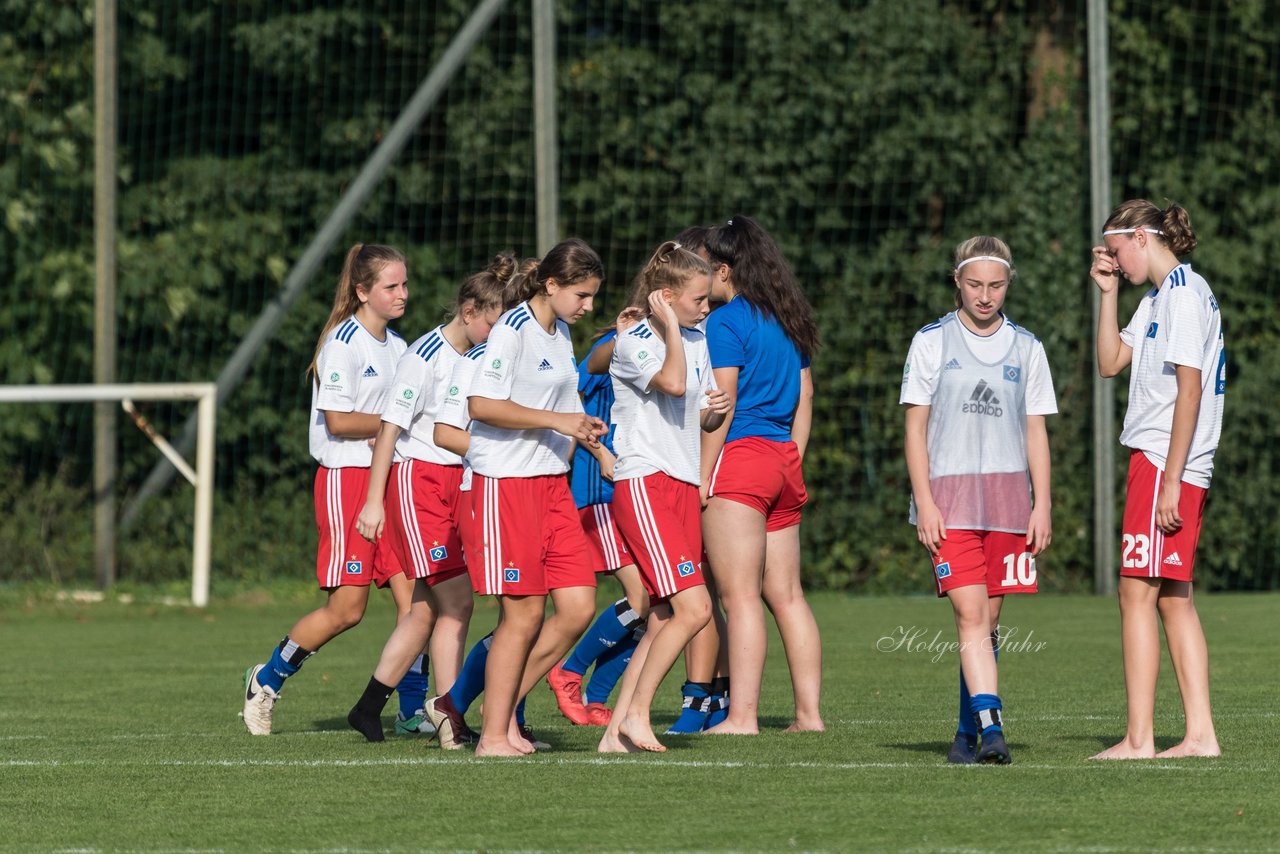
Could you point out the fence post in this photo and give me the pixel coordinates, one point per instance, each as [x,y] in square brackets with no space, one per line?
[1104,402]
[545,125]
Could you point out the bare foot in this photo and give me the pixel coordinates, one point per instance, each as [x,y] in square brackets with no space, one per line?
[729,727]
[497,748]
[811,725]
[640,732]
[517,739]
[1125,750]
[612,742]
[1191,747]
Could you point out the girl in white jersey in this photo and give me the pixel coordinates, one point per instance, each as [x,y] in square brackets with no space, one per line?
[526,414]
[664,395]
[1176,385]
[977,389]
[424,497]
[352,370]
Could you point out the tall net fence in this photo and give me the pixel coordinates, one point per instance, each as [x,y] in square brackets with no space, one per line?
[869,138]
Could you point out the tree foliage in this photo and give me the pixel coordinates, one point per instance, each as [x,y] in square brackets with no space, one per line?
[870,138]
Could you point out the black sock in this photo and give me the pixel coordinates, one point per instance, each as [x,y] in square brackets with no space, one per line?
[720,685]
[366,716]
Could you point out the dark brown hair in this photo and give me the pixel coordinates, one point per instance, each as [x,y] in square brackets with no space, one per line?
[761,276]
[568,262]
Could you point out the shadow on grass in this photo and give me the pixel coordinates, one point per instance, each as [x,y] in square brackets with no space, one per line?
[1164,742]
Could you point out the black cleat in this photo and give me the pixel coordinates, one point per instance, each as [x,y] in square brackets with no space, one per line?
[994,751]
[964,750]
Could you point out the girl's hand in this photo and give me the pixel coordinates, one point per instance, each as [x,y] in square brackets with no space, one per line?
[702,495]
[1168,519]
[718,401]
[1039,530]
[661,311]
[1105,272]
[628,318]
[930,529]
[577,425]
[607,462]
[371,521]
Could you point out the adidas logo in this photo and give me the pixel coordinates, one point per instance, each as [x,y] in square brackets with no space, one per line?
[1173,560]
[370,372]
[983,401]
[953,365]
[545,366]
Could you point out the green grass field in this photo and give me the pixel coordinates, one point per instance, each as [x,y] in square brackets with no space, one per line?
[120,732]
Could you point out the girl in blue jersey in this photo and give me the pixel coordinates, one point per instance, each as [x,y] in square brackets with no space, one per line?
[760,343]
[977,389]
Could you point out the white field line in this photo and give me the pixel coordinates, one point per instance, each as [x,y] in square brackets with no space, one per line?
[589,761]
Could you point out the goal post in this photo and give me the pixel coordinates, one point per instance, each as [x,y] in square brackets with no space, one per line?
[206,396]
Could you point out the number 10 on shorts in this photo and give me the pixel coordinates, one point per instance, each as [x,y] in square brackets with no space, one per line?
[1019,569]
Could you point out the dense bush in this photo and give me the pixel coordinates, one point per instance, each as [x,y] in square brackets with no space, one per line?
[869,140]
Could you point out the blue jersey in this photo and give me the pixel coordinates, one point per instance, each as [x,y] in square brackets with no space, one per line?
[585,482]
[740,336]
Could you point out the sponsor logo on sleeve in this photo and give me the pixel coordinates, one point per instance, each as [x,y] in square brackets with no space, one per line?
[335,382]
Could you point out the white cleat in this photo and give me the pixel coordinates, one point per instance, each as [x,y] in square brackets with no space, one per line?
[259,702]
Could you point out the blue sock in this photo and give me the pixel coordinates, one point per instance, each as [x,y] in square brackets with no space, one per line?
[967,726]
[610,628]
[986,709]
[693,713]
[284,662]
[470,682]
[609,669]
[413,688]
[520,713]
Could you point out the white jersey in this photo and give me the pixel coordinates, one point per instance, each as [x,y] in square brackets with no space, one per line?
[421,381]
[980,392]
[453,407]
[527,365]
[354,374]
[1176,324]
[658,432]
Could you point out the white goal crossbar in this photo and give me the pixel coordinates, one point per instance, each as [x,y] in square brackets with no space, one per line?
[206,396]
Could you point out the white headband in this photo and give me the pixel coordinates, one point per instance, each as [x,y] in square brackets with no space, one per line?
[1132,230]
[982,258]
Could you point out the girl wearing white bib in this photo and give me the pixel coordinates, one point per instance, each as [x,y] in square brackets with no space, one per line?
[977,388]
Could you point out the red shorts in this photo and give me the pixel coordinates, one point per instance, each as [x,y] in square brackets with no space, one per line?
[661,519]
[764,475]
[345,558]
[422,520]
[531,539]
[608,551]
[1146,551]
[995,558]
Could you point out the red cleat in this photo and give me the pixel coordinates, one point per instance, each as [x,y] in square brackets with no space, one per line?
[599,714]
[567,686]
